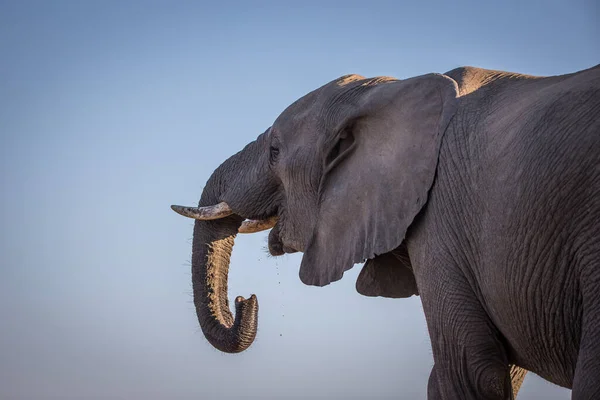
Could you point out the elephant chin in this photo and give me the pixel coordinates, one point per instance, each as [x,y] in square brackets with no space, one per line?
[212,246]
[276,246]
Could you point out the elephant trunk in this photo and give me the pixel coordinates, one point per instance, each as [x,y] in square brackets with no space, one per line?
[240,187]
[212,246]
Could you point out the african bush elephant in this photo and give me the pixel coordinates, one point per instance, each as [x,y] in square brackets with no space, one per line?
[477,190]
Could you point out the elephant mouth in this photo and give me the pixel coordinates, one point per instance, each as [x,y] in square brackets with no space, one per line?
[277,247]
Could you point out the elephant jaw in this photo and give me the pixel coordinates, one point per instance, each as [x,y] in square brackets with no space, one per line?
[276,245]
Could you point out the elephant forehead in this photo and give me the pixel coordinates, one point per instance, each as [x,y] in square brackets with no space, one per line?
[297,113]
[314,102]
[300,125]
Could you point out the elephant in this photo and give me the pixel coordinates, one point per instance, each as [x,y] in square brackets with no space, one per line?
[476,190]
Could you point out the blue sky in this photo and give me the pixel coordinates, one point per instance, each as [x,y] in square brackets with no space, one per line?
[112,111]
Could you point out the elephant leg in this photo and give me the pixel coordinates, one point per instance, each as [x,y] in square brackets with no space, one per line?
[586,383]
[433,390]
[517,375]
[472,373]
[470,358]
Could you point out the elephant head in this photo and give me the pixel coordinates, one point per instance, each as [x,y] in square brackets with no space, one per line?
[340,176]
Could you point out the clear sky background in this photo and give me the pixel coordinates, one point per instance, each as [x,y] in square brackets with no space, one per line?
[112,111]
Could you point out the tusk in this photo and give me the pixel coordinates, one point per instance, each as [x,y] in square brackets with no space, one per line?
[217,211]
[257,225]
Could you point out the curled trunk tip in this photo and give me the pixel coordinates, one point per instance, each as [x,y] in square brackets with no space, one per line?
[241,334]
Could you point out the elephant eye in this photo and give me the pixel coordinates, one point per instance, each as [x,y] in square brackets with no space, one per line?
[274,153]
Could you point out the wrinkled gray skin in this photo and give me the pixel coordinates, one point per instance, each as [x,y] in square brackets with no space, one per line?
[478,190]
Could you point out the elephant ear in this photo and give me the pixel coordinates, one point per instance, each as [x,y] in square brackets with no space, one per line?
[370,195]
[388,275]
